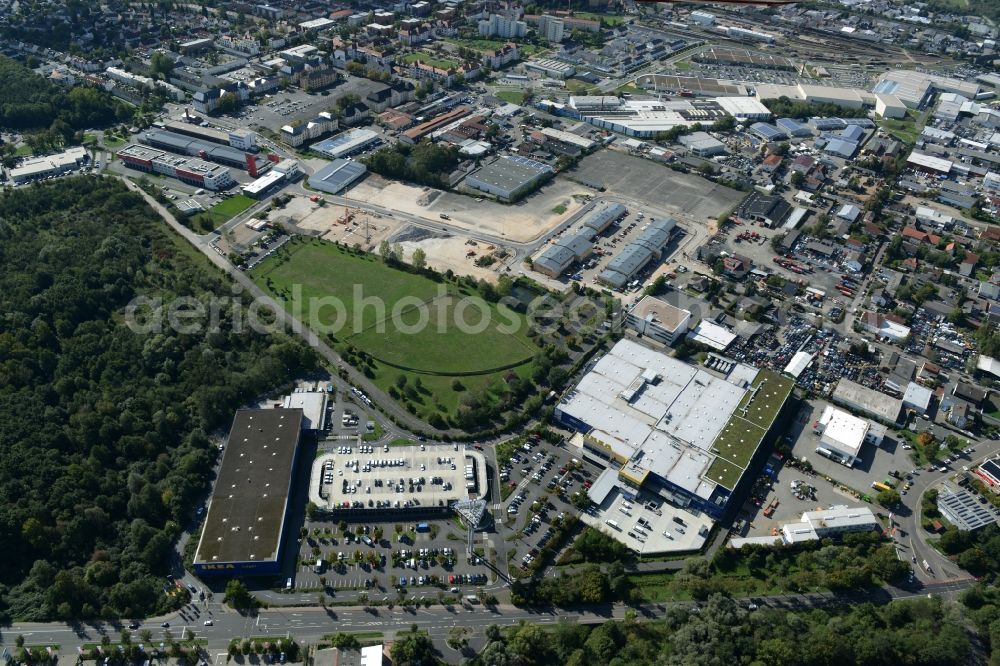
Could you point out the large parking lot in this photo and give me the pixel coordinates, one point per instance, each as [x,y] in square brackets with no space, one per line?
[283,107]
[690,197]
[543,478]
[648,525]
[419,559]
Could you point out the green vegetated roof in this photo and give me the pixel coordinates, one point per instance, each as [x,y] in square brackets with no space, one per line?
[745,430]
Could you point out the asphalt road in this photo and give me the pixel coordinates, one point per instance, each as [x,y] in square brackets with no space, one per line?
[310,624]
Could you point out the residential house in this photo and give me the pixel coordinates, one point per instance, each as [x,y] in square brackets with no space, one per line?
[971,393]
[355,114]
[207,101]
[297,133]
[736,266]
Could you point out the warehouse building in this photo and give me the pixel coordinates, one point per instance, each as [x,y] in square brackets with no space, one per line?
[191,171]
[313,405]
[658,320]
[563,253]
[767,132]
[962,509]
[285,171]
[868,401]
[842,435]
[508,177]
[793,128]
[241,139]
[599,220]
[744,108]
[713,335]
[549,67]
[245,524]
[568,138]
[915,89]
[830,523]
[347,143]
[51,165]
[671,429]
[647,246]
[337,176]
[186,145]
[917,397]
[703,144]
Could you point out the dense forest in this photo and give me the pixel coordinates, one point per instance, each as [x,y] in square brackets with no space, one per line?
[31,102]
[918,632]
[104,432]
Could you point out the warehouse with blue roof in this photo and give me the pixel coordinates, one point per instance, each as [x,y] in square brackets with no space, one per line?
[768,132]
[793,127]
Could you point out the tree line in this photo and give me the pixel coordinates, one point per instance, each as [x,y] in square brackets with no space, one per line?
[922,632]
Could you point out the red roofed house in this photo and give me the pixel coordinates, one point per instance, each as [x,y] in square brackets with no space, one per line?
[922,236]
[771,163]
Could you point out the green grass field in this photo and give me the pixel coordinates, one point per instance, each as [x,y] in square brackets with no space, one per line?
[608,19]
[905,130]
[428,59]
[512,96]
[481,45]
[411,325]
[223,211]
[113,142]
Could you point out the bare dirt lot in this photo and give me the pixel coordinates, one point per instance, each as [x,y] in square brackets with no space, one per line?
[521,222]
[444,250]
[688,196]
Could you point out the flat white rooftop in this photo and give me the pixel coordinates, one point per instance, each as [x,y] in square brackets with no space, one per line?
[659,414]
[313,406]
[842,430]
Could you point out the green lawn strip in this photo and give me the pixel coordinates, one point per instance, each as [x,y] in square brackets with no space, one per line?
[632,90]
[112,142]
[223,211]
[763,405]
